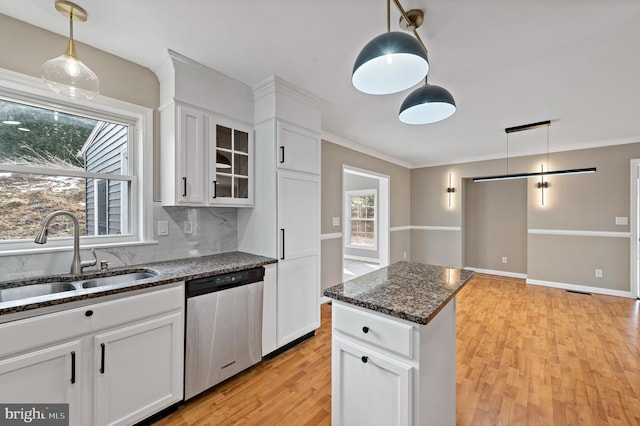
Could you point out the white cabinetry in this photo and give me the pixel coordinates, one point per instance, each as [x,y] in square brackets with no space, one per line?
[364,370]
[388,371]
[285,220]
[48,375]
[298,286]
[183,156]
[114,362]
[298,148]
[207,160]
[133,379]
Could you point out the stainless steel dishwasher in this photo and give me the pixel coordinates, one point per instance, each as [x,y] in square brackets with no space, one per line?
[223,331]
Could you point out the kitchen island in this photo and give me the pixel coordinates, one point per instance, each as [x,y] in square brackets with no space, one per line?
[394,346]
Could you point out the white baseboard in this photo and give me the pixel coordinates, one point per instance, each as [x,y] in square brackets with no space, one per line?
[581,288]
[500,273]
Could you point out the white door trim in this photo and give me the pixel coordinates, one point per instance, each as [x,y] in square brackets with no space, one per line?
[635,211]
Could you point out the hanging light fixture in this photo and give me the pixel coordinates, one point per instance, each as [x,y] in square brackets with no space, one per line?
[541,173]
[427,104]
[390,63]
[66,74]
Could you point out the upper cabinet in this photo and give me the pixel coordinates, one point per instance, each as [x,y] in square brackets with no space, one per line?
[230,163]
[298,148]
[206,136]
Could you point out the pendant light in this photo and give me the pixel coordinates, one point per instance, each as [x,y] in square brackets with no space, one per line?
[390,63]
[66,74]
[427,104]
[541,173]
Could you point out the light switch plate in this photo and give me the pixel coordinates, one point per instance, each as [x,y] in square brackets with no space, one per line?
[163,227]
[335,221]
[188,227]
[621,220]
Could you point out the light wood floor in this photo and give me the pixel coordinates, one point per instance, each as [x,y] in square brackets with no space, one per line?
[526,355]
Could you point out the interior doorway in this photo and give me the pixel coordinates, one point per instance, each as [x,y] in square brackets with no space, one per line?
[365,221]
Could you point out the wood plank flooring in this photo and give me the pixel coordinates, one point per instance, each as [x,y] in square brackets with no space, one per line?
[526,355]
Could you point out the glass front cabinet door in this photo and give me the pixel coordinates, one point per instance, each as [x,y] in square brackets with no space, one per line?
[230,163]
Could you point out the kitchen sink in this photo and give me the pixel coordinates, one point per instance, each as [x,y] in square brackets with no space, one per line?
[34,290]
[117,279]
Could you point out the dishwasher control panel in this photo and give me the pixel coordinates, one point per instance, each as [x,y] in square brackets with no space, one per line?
[223,281]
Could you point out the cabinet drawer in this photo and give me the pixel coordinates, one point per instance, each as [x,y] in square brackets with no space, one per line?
[387,334]
[45,329]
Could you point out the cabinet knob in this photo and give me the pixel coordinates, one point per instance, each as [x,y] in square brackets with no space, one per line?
[365,329]
[88,313]
[365,359]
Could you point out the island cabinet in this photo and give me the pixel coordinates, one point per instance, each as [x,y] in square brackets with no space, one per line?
[115,362]
[394,346]
[393,372]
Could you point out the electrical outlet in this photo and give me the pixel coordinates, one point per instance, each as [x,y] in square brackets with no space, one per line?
[404,255]
[335,221]
[504,259]
[163,227]
[621,220]
[188,227]
[598,273]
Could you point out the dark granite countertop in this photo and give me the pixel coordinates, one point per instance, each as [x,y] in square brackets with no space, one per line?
[409,290]
[166,272]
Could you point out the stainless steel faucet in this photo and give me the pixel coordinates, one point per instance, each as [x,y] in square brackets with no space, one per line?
[76,264]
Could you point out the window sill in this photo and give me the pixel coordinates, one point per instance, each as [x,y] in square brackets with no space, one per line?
[52,249]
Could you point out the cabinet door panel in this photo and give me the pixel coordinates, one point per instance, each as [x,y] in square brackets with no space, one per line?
[138,371]
[298,149]
[44,376]
[191,153]
[368,388]
[298,214]
[298,294]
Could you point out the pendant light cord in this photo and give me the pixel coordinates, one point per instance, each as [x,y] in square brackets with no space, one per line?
[388,16]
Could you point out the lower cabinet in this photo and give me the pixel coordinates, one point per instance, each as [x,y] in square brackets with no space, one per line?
[137,373]
[371,389]
[115,362]
[389,371]
[48,375]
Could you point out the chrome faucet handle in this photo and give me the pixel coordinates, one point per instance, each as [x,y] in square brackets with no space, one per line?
[85,263]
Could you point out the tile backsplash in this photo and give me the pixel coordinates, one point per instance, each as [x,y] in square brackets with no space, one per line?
[192,232]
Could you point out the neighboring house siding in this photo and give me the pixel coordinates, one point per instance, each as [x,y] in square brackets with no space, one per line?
[103,153]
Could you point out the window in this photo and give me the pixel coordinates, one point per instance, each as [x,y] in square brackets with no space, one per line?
[362,224]
[59,156]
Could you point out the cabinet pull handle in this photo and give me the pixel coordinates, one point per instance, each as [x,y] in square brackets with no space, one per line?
[281,154]
[73,367]
[365,359]
[215,189]
[365,329]
[282,232]
[184,186]
[102,351]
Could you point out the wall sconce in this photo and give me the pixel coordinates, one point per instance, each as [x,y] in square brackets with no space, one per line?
[542,185]
[450,191]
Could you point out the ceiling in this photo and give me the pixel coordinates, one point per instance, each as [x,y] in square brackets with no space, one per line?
[506,62]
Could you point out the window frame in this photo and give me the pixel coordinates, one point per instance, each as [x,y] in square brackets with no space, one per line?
[348,195]
[30,90]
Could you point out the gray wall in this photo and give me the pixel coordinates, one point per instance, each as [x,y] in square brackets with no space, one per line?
[333,157]
[495,225]
[587,203]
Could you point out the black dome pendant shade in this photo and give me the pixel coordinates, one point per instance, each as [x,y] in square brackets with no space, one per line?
[426,105]
[390,63]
